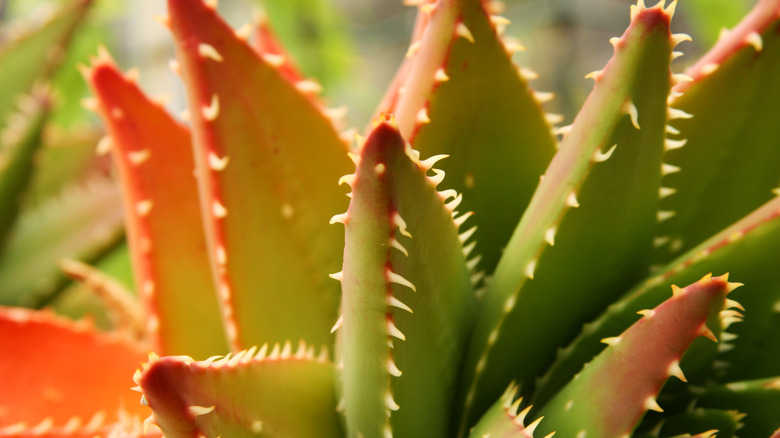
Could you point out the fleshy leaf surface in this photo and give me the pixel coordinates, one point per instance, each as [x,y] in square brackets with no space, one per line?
[505,419]
[268,160]
[34,55]
[610,395]
[746,248]
[18,145]
[82,223]
[460,94]
[153,153]
[407,295]
[273,392]
[63,376]
[727,147]
[756,398]
[594,213]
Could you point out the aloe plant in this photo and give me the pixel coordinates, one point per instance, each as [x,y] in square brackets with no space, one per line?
[490,302]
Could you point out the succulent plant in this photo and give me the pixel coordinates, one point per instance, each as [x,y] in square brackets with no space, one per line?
[516,320]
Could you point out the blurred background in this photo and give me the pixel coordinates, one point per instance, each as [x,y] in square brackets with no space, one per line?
[353,47]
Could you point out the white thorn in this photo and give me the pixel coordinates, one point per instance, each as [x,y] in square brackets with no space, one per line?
[543,97]
[670,144]
[390,403]
[754,39]
[677,38]
[395,302]
[599,157]
[392,277]
[211,112]
[611,341]
[664,192]
[681,77]
[208,51]
[676,371]
[401,224]
[393,331]
[652,405]
[422,116]
[392,368]
[530,268]
[273,59]
[307,86]
[437,178]
[528,74]
[200,410]
[441,75]
[710,68]
[631,110]
[464,236]
[218,209]
[243,32]
[340,218]
[144,207]
[462,31]
[462,218]
[138,157]
[553,119]
[549,235]
[663,215]
[429,162]
[667,169]
[175,66]
[394,243]
[216,163]
[338,324]
[571,200]
[674,113]
[413,49]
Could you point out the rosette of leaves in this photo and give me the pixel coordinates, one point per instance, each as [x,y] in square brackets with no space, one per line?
[490,302]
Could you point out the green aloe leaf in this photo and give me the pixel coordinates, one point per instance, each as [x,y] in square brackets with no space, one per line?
[407,298]
[641,358]
[745,249]
[506,419]
[67,155]
[165,229]
[606,173]
[273,392]
[19,143]
[756,398]
[726,148]
[699,420]
[34,55]
[459,93]
[82,223]
[267,160]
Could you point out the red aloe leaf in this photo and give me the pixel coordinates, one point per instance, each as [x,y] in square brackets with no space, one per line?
[154,155]
[64,377]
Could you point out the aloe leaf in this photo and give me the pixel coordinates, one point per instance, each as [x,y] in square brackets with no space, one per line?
[35,54]
[267,159]
[727,146]
[745,249]
[756,398]
[642,358]
[272,392]
[82,223]
[607,172]
[78,299]
[84,393]
[66,156]
[407,295]
[460,94]
[699,420]
[165,229]
[505,419]
[20,141]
